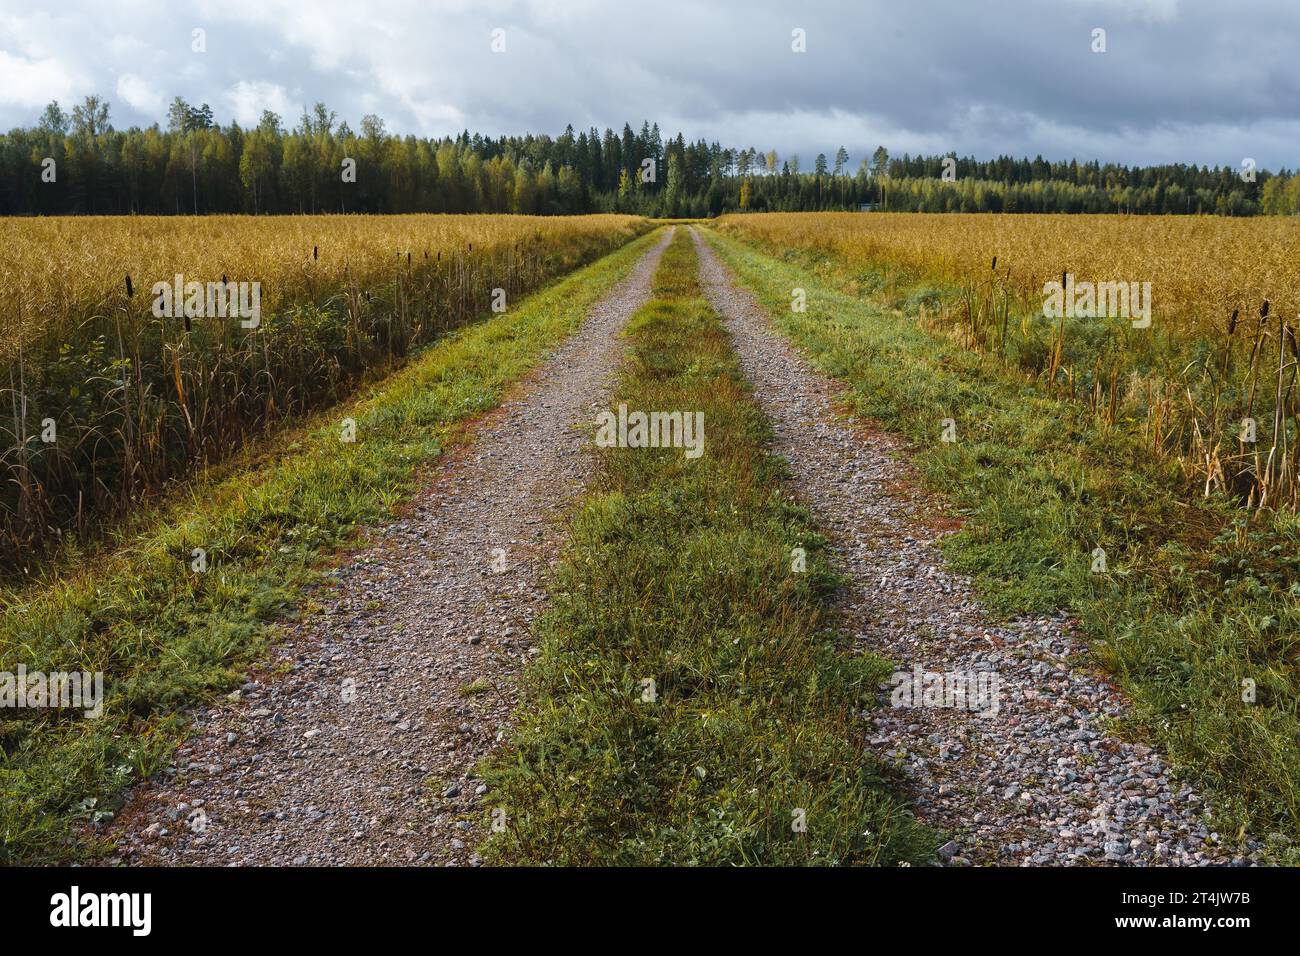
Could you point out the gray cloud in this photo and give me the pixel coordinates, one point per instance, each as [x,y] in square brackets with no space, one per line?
[1182,80]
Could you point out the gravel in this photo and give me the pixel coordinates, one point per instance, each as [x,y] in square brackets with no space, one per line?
[357,744]
[1039,782]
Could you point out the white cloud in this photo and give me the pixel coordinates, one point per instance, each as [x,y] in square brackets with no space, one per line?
[246,102]
[29,84]
[140,94]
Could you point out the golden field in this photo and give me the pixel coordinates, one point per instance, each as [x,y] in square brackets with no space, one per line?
[1200,267]
[61,269]
[101,399]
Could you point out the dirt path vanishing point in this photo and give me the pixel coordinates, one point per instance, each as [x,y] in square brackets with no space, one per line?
[1038,782]
[362,752]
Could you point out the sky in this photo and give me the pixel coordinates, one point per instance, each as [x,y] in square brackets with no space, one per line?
[1203,81]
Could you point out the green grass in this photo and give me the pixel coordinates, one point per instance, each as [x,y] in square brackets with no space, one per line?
[1196,598]
[166,637]
[679,572]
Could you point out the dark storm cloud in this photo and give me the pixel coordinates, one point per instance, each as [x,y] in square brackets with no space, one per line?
[1180,81]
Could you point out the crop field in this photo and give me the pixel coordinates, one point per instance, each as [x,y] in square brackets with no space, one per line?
[1201,267]
[1209,377]
[105,398]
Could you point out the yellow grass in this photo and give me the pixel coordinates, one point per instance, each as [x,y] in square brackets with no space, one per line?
[55,268]
[1200,267]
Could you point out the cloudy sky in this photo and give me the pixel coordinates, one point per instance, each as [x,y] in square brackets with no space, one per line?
[1180,80]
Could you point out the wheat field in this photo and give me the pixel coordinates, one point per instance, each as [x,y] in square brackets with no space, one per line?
[102,398]
[1200,267]
[58,271]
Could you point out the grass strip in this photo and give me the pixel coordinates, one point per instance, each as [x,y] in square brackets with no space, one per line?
[166,637]
[691,701]
[1198,611]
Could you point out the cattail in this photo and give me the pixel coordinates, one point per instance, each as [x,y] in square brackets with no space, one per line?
[315,252]
[1263,311]
[130,291]
[408,260]
[994,267]
[1232,322]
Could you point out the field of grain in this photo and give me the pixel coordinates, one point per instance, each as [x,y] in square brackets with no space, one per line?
[1211,381]
[102,399]
[1200,267]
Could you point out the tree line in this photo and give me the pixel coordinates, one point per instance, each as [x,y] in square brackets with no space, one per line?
[78,163]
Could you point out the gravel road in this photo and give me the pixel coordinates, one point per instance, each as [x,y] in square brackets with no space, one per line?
[360,749]
[1037,782]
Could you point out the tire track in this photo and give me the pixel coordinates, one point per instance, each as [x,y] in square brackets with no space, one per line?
[1036,780]
[361,750]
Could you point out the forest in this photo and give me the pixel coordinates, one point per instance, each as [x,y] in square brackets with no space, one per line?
[76,162]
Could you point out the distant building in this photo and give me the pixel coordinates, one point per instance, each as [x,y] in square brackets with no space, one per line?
[868,207]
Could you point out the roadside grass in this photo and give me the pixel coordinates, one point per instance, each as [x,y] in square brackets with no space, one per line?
[1200,603]
[166,637]
[679,572]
